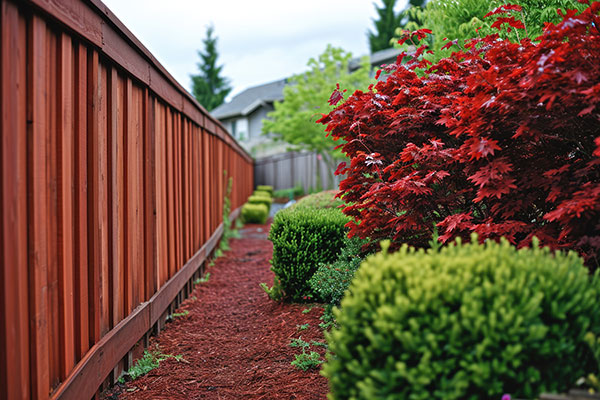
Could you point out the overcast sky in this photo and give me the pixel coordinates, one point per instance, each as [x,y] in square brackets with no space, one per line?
[258,41]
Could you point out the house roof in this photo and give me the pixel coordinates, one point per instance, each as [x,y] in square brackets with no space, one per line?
[250,99]
[386,56]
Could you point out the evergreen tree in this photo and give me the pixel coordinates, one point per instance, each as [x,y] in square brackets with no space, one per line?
[385,26]
[209,87]
[389,21]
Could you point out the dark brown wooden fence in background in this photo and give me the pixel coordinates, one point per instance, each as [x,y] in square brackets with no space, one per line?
[112,185]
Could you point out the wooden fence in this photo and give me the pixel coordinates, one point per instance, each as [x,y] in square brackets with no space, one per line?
[112,186]
[287,170]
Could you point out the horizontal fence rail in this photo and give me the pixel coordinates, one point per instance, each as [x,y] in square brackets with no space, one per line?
[112,185]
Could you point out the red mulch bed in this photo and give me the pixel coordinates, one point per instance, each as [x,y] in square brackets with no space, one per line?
[235,340]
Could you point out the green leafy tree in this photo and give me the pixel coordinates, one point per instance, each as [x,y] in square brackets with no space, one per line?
[464,19]
[209,87]
[307,95]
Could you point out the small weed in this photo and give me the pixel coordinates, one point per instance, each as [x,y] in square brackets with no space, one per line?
[204,279]
[306,361]
[184,313]
[307,310]
[302,327]
[328,318]
[274,292]
[321,344]
[299,343]
[149,361]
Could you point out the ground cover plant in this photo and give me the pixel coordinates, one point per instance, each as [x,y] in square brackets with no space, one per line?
[330,280]
[500,139]
[466,321]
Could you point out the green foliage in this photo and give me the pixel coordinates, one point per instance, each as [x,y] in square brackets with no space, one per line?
[385,25]
[204,279]
[209,87]
[299,343]
[254,213]
[306,361]
[328,318]
[184,313]
[302,327]
[265,188]
[149,361]
[465,322]
[306,97]
[275,293]
[261,193]
[388,21]
[594,342]
[290,193]
[228,231]
[460,19]
[254,199]
[319,200]
[330,281]
[302,238]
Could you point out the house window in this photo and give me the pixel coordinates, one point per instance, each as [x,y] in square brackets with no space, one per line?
[233,128]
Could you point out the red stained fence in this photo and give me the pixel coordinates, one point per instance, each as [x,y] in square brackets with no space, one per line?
[112,186]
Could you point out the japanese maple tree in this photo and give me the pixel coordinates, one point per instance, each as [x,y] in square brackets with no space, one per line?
[501,138]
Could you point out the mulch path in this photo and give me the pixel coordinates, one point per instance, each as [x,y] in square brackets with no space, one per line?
[235,340]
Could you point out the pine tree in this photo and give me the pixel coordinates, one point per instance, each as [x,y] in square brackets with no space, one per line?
[388,21]
[385,26]
[209,87]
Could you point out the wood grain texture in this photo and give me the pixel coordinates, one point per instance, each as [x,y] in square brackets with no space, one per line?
[111,188]
[14,329]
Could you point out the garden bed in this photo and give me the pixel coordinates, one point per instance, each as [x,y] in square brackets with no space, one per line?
[234,341]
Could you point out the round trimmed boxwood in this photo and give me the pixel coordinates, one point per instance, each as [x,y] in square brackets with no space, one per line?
[260,200]
[254,213]
[468,321]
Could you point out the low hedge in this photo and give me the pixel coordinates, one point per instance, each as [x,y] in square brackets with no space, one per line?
[261,193]
[254,213]
[466,322]
[265,188]
[303,238]
[261,200]
[325,199]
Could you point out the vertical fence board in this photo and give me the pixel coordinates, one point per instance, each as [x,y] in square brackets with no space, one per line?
[53,247]
[81,230]
[150,197]
[102,199]
[14,328]
[37,205]
[119,237]
[93,206]
[66,185]
[170,193]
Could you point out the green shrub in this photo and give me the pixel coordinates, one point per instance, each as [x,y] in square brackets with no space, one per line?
[290,193]
[261,193]
[466,322]
[303,238]
[330,281]
[320,200]
[265,188]
[255,213]
[260,200]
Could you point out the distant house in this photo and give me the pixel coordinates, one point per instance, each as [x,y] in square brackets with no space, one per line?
[243,115]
